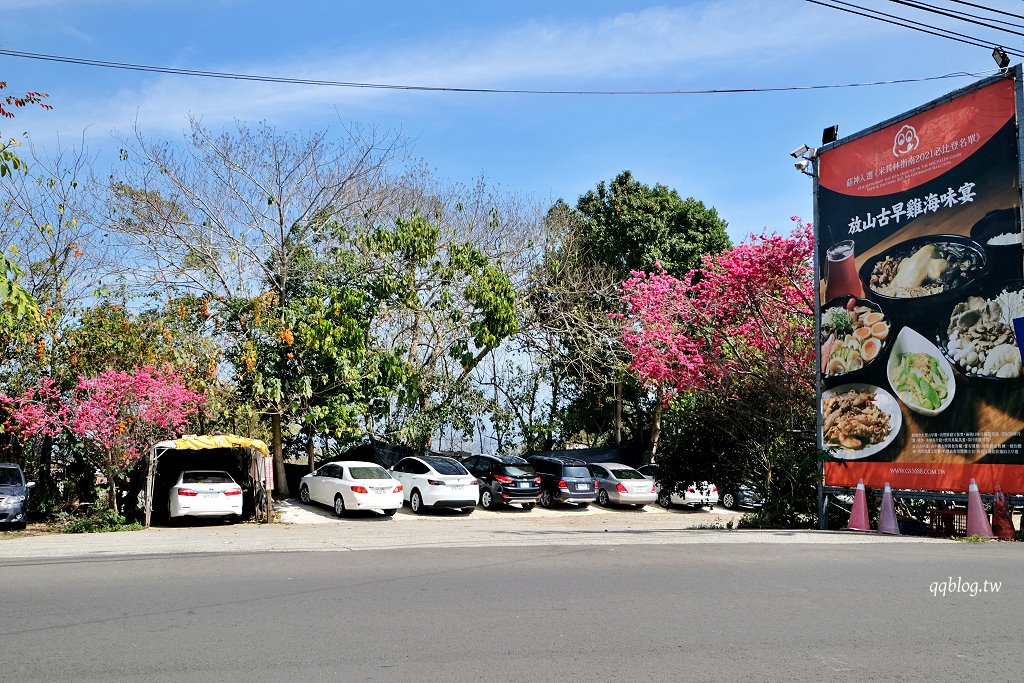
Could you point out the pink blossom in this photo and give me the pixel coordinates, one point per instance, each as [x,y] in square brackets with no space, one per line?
[744,310]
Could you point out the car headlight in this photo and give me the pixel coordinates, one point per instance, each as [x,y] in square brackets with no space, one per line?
[11,501]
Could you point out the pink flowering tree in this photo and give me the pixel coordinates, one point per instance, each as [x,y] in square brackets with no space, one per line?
[41,411]
[121,414]
[743,319]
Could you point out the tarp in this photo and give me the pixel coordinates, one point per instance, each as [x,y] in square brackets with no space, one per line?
[196,442]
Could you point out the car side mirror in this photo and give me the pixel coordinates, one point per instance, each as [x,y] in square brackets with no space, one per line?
[30,484]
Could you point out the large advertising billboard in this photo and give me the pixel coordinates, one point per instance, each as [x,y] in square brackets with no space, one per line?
[921,297]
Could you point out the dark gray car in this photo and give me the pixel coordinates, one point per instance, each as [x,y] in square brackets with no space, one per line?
[13,496]
[564,480]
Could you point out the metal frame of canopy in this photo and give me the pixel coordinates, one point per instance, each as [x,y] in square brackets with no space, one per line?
[260,465]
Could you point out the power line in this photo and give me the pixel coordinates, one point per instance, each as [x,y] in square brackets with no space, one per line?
[966,39]
[962,16]
[391,86]
[988,9]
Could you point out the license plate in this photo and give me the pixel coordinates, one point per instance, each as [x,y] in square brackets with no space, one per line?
[379,489]
[582,487]
[457,487]
[524,484]
[211,495]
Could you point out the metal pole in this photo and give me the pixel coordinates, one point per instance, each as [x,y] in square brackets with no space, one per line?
[149,485]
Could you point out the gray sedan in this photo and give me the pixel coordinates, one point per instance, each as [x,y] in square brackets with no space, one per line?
[617,483]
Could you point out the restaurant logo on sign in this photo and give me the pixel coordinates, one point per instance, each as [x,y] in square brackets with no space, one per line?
[906,141]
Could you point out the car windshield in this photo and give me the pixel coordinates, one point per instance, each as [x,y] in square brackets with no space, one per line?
[627,474]
[576,471]
[519,470]
[206,478]
[369,473]
[10,476]
[446,466]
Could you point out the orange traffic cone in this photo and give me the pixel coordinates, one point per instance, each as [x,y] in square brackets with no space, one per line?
[859,514]
[887,522]
[977,518]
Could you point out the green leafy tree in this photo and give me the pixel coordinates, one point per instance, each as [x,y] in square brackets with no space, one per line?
[448,306]
[620,226]
[217,216]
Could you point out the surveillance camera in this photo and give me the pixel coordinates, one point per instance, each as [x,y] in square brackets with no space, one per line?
[802,165]
[799,151]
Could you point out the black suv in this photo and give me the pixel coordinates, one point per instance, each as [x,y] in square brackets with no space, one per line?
[13,496]
[564,480]
[504,479]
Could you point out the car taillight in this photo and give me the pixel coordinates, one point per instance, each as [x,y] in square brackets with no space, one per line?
[233,492]
[562,484]
[536,480]
[620,488]
[654,488]
[503,479]
[689,489]
[398,489]
[475,482]
[435,482]
[359,489]
[187,492]
[714,489]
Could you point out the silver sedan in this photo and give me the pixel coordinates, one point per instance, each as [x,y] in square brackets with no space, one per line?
[618,483]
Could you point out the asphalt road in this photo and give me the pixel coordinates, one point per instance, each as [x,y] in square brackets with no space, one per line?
[650,612]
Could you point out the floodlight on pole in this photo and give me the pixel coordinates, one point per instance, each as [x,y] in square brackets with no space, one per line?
[1001,58]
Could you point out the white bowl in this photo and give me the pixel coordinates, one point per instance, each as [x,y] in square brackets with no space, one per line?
[909,341]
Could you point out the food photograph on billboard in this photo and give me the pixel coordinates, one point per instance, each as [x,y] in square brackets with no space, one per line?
[921,297]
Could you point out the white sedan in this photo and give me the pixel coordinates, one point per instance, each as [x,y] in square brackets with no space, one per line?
[206,493]
[352,485]
[697,494]
[436,481]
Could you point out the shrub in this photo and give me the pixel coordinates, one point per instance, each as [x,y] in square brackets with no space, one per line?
[106,520]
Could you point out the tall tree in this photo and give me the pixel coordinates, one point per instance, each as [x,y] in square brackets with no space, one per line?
[739,331]
[619,227]
[219,216]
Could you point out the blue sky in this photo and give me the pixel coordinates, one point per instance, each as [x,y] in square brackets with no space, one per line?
[729,150]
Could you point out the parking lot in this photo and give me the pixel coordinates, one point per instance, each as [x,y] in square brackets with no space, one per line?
[293,511]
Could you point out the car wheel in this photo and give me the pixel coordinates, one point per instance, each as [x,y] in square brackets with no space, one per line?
[304,494]
[390,512]
[602,498]
[487,499]
[665,500]
[416,502]
[339,505]
[529,506]
[729,501]
[545,499]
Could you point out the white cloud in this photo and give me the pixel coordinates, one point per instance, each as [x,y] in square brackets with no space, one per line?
[663,47]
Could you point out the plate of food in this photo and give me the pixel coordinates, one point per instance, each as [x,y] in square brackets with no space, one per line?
[919,374]
[854,333]
[978,336]
[912,279]
[859,420]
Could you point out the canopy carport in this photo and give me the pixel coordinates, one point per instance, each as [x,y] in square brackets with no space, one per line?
[248,460]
